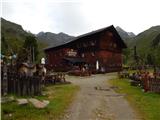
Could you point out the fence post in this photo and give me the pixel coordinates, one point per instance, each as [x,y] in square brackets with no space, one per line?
[18,84]
[13,82]
[24,85]
[40,83]
[5,80]
[146,83]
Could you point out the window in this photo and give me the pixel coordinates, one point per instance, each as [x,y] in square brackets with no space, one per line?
[60,54]
[114,45]
[78,45]
[93,53]
[110,34]
[54,55]
[84,45]
[71,50]
[92,43]
[82,55]
[111,44]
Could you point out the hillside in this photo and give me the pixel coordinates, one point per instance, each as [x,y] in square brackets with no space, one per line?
[128,37]
[147,42]
[54,39]
[13,37]
[144,42]
[125,35]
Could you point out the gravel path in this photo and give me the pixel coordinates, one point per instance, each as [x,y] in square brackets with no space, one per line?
[96,100]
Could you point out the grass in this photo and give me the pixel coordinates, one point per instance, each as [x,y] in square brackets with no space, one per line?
[146,104]
[60,96]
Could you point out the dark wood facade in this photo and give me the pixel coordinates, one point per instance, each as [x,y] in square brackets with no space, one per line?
[102,48]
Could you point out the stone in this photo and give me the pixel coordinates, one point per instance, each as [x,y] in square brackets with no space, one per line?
[38,104]
[10,115]
[99,115]
[7,99]
[22,101]
[45,102]
[44,94]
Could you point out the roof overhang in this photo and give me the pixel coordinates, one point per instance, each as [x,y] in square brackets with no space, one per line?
[74,60]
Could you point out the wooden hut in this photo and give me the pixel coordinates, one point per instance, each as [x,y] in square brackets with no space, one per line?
[99,50]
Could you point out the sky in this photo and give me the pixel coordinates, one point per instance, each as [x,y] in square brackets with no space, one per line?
[76,17]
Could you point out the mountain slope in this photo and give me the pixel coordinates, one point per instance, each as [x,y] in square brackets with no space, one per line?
[128,37]
[12,28]
[13,37]
[144,43]
[147,42]
[156,41]
[125,35]
[54,39]
[144,40]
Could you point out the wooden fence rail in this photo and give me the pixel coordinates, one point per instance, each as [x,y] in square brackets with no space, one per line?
[21,85]
[148,83]
[154,85]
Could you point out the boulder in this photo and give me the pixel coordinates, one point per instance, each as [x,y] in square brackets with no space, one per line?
[22,101]
[7,99]
[38,104]
[45,102]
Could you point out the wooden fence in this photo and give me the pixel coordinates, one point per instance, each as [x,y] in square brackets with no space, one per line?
[154,85]
[147,82]
[14,83]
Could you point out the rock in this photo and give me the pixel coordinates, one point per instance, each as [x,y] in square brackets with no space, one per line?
[10,115]
[67,116]
[99,115]
[46,102]
[38,104]
[7,99]
[22,101]
[44,94]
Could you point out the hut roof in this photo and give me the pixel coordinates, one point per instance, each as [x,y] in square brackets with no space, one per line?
[111,28]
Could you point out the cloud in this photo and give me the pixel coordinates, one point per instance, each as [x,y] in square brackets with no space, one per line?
[80,16]
[55,17]
[68,17]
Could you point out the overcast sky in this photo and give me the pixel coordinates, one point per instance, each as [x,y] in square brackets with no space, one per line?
[76,17]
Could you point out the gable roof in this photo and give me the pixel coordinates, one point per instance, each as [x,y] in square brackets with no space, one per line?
[111,28]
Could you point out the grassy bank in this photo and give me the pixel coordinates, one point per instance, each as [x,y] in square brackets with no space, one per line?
[60,96]
[146,104]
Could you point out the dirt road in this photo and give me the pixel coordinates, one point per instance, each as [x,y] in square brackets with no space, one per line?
[96,100]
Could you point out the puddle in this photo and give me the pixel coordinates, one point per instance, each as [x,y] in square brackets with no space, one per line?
[109,95]
[101,89]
